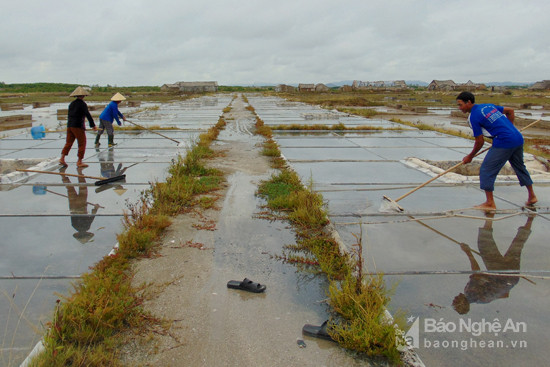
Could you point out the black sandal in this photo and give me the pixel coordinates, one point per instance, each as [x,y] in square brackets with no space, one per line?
[246,285]
[317,331]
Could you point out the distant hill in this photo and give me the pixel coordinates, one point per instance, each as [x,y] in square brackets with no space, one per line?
[419,83]
[350,82]
[339,84]
[508,84]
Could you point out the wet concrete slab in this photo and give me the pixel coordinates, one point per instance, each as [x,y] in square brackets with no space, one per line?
[443,236]
[437,249]
[353,172]
[21,335]
[54,229]
[422,153]
[142,154]
[16,144]
[140,173]
[59,198]
[325,141]
[434,198]
[409,133]
[448,141]
[150,140]
[399,142]
[418,257]
[32,153]
[326,153]
[428,298]
[61,246]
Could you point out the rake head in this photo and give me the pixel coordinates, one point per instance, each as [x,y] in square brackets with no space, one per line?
[390,206]
[110,179]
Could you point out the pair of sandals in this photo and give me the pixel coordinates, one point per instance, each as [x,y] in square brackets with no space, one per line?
[308,329]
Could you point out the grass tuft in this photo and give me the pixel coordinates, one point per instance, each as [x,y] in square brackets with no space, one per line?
[362,323]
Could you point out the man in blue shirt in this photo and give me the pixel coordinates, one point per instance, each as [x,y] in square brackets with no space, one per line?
[109,114]
[497,123]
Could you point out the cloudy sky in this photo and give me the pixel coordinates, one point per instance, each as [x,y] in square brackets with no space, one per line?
[138,42]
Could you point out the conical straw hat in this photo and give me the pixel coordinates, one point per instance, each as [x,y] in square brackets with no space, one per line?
[79,91]
[118,97]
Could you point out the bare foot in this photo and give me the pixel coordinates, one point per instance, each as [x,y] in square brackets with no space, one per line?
[63,163]
[486,206]
[532,201]
[81,165]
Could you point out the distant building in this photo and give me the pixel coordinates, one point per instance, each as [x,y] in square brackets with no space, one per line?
[442,85]
[449,85]
[345,88]
[542,85]
[197,87]
[285,88]
[471,86]
[170,88]
[379,84]
[190,87]
[399,84]
[321,88]
[306,87]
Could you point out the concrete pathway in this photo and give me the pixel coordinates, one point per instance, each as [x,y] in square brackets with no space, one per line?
[212,325]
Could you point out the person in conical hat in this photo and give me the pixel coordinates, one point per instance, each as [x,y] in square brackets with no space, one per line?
[118,98]
[109,114]
[79,91]
[76,126]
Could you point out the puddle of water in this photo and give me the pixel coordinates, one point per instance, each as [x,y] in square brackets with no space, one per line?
[395,244]
[50,227]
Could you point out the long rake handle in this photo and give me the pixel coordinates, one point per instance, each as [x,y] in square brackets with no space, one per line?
[442,234]
[62,174]
[66,196]
[453,167]
[154,132]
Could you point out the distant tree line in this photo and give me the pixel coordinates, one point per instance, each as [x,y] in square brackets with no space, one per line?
[37,87]
[67,88]
[229,88]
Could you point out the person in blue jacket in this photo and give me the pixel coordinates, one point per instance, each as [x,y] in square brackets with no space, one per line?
[497,123]
[109,114]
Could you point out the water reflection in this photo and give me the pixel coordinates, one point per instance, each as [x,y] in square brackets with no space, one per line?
[107,164]
[81,220]
[485,288]
[107,167]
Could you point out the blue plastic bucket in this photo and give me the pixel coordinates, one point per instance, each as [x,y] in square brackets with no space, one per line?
[39,190]
[38,132]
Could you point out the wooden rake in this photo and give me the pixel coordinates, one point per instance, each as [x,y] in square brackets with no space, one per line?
[391,205]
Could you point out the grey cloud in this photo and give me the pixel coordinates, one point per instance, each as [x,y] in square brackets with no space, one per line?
[140,42]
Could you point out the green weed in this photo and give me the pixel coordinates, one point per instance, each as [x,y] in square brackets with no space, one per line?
[362,322]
